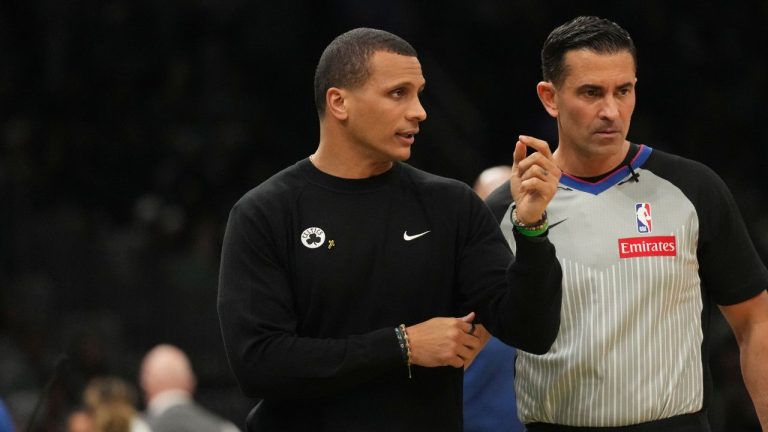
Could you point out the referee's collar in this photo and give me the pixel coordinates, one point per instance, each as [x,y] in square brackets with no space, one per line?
[618,175]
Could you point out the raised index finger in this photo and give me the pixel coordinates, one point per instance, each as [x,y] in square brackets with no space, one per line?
[540,146]
[519,153]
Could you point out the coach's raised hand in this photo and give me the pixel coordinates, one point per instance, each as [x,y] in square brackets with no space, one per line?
[534,179]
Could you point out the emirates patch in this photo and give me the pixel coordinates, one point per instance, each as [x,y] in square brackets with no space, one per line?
[634,247]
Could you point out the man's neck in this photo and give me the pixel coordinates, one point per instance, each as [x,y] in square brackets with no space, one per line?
[343,159]
[588,165]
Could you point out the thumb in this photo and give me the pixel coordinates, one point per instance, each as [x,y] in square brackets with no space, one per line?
[468,318]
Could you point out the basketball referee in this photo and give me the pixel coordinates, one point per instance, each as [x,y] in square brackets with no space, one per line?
[648,242]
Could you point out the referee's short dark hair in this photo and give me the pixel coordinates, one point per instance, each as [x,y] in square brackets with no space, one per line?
[344,63]
[585,32]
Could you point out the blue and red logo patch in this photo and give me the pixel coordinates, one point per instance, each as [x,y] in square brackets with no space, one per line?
[643,216]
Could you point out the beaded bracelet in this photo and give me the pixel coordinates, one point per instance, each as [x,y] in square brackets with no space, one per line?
[532,230]
[401,342]
[405,346]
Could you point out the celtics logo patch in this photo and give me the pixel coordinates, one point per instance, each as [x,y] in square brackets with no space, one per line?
[313,237]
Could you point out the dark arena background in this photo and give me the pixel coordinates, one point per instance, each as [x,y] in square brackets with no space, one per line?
[128,128]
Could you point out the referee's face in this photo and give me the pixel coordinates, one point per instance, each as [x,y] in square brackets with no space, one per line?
[385,112]
[594,103]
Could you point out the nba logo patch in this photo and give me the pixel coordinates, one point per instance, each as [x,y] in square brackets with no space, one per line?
[643,216]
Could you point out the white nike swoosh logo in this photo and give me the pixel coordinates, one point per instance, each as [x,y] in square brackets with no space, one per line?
[407,237]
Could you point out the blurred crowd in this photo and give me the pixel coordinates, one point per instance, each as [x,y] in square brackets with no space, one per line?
[109,403]
[129,128]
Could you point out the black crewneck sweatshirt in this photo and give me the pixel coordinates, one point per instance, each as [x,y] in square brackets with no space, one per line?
[316,271]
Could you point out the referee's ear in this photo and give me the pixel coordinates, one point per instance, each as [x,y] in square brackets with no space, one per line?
[546,91]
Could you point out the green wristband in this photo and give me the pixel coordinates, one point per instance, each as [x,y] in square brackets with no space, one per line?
[533,232]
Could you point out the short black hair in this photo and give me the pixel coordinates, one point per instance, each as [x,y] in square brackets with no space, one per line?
[585,32]
[344,63]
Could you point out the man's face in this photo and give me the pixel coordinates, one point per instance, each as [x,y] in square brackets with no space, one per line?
[594,103]
[384,113]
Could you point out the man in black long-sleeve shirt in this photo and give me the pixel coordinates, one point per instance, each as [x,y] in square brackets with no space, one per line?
[342,276]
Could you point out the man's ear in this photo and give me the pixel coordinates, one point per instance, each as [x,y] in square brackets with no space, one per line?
[336,103]
[546,91]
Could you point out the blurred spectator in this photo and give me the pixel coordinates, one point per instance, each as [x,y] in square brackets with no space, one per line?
[111,403]
[79,420]
[490,179]
[169,383]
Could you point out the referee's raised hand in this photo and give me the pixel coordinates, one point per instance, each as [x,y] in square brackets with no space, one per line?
[534,179]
